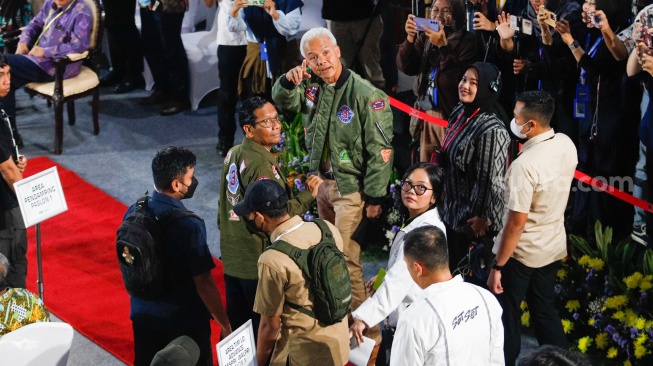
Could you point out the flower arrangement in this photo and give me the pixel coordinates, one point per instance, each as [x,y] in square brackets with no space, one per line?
[293,159]
[392,219]
[605,300]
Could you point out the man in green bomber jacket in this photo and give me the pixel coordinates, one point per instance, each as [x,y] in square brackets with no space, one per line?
[241,241]
[348,127]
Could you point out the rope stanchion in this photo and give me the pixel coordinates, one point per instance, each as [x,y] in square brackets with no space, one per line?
[595,183]
[417,113]
[605,187]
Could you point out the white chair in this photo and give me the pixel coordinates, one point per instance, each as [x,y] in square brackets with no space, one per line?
[202,51]
[37,344]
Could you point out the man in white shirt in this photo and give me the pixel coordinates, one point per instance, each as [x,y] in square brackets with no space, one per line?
[533,239]
[452,322]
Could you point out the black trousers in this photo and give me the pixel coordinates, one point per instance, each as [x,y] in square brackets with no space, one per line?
[124,39]
[240,302]
[537,286]
[164,51]
[230,60]
[149,340]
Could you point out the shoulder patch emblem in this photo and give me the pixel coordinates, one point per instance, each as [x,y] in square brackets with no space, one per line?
[232,179]
[378,105]
[345,114]
[263,177]
[311,92]
[227,158]
[386,154]
[345,156]
[233,216]
[275,172]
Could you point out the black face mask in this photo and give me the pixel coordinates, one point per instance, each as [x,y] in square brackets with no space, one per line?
[191,188]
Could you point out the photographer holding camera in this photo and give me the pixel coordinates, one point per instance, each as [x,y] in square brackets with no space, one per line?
[541,60]
[438,58]
[607,145]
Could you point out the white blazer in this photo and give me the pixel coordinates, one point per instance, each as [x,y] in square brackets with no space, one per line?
[398,289]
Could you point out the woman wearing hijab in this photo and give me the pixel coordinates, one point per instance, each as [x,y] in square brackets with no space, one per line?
[608,120]
[473,158]
[270,30]
[542,61]
[438,59]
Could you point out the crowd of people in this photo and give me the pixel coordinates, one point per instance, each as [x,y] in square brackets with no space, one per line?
[575,74]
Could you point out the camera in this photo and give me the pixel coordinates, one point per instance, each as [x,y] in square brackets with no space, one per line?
[551,18]
[595,20]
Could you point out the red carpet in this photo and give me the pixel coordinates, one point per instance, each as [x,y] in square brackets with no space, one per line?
[82,280]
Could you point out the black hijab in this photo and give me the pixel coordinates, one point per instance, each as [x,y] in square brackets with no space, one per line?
[260,23]
[488,91]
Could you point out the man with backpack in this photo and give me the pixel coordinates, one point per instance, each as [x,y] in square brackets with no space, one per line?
[190,297]
[304,292]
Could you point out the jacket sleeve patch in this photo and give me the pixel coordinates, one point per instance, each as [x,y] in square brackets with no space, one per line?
[378,105]
[386,154]
[232,179]
[263,177]
[227,158]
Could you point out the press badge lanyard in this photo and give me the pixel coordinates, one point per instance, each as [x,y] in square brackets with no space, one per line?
[4,116]
[47,26]
[449,140]
[289,231]
[433,89]
[582,89]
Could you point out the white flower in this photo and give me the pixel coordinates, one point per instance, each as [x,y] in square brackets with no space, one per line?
[393,216]
[390,235]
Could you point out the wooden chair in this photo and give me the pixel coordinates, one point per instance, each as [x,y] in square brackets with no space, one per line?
[60,91]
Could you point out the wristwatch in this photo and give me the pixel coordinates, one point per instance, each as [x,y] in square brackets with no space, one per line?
[496,266]
[574,45]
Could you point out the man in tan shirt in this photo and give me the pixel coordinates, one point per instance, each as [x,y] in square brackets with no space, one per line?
[533,239]
[296,338]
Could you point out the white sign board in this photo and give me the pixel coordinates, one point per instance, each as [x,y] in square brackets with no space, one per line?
[239,348]
[40,196]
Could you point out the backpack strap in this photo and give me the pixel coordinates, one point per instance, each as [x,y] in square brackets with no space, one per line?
[327,235]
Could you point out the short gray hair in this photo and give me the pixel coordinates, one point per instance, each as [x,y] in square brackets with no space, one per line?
[314,33]
[4,268]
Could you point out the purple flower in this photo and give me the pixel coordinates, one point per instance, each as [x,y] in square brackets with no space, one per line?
[633,333]
[576,316]
[392,188]
[612,330]
[395,229]
[298,183]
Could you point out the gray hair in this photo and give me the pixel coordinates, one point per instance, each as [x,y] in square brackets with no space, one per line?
[314,33]
[4,268]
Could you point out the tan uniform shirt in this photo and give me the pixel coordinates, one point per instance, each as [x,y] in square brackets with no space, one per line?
[301,340]
[538,183]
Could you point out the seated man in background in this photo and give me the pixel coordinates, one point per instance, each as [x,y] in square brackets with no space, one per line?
[18,307]
[61,27]
[452,322]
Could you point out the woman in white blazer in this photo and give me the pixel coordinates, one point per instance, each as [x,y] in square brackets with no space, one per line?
[421,192]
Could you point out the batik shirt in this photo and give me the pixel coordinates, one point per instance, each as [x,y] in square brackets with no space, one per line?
[62,31]
[19,307]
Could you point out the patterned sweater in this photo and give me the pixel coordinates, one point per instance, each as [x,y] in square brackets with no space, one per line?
[474,164]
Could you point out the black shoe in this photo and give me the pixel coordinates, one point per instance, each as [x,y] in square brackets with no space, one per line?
[111,79]
[223,147]
[174,107]
[129,84]
[157,97]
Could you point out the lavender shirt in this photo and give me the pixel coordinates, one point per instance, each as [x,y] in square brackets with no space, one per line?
[69,33]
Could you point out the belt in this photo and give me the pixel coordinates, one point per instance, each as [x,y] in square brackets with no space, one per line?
[328,175]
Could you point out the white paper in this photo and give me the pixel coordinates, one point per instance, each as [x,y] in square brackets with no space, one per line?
[359,355]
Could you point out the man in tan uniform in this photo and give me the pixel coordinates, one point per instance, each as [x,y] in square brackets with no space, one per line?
[296,338]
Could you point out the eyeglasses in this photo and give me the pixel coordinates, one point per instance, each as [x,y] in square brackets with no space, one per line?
[437,11]
[419,189]
[269,122]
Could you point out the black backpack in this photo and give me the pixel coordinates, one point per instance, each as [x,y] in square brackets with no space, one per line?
[140,248]
[325,267]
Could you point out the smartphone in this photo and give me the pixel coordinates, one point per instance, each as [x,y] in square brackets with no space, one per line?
[255,2]
[595,20]
[551,18]
[431,24]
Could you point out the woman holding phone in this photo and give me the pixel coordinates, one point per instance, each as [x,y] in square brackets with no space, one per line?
[437,56]
[421,192]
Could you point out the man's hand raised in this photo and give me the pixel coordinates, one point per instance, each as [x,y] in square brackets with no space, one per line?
[298,74]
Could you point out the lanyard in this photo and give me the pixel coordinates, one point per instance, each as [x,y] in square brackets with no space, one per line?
[449,140]
[4,116]
[289,231]
[47,26]
[591,52]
